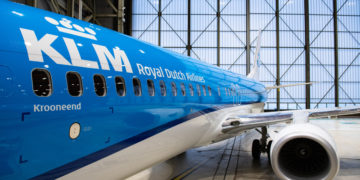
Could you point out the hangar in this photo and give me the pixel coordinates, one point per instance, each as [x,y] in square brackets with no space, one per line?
[303,41]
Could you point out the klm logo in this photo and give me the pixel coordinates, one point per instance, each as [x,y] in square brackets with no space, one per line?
[37,46]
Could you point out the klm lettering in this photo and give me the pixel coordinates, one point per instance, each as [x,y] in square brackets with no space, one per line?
[35,47]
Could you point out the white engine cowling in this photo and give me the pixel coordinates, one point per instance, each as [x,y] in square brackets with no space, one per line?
[304,151]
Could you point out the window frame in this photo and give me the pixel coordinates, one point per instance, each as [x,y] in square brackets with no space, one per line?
[204,89]
[81,90]
[198,90]
[104,85]
[152,92]
[51,90]
[173,89]
[162,89]
[139,87]
[124,86]
[191,88]
[183,89]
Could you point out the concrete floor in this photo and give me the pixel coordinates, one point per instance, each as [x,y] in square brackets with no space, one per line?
[231,159]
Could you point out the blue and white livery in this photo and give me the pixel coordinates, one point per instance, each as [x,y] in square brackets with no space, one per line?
[82,101]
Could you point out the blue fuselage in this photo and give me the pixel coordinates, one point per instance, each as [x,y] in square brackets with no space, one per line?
[34,130]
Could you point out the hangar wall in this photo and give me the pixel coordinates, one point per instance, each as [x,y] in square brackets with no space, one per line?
[303,40]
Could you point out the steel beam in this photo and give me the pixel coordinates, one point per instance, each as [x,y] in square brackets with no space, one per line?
[55,5]
[307,54]
[218,33]
[80,9]
[94,11]
[128,18]
[106,15]
[86,6]
[159,27]
[277,56]
[32,3]
[248,43]
[120,16]
[70,8]
[112,5]
[188,47]
[336,56]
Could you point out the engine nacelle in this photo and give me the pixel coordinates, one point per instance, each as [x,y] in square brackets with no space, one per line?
[304,151]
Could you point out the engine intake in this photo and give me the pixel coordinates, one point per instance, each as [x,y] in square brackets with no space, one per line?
[304,151]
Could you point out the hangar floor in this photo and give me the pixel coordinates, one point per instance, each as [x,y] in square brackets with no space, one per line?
[231,159]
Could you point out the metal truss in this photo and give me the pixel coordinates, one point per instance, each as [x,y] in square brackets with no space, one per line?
[86,10]
[335,76]
[217,16]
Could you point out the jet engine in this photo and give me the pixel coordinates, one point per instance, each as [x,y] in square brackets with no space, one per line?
[304,151]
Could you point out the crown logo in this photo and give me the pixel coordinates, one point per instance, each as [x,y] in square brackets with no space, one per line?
[65,26]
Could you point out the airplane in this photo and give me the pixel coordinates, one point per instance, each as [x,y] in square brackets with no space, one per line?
[80,101]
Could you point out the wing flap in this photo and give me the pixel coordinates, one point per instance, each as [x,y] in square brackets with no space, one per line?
[245,122]
[239,123]
[333,112]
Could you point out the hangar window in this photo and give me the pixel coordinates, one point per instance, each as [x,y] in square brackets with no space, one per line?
[209,89]
[173,89]
[100,85]
[42,85]
[137,87]
[204,89]
[219,93]
[198,90]
[191,90]
[183,90]
[162,88]
[151,88]
[120,86]
[74,83]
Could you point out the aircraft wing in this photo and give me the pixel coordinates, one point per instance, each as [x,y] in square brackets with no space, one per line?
[238,123]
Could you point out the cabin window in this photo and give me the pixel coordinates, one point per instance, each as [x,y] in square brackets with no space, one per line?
[74,83]
[173,89]
[42,85]
[209,89]
[120,86]
[191,90]
[219,92]
[137,87]
[151,88]
[204,90]
[183,90]
[162,88]
[198,90]
[100,85]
